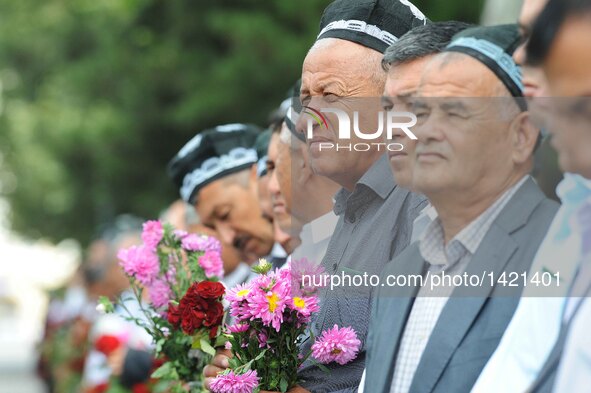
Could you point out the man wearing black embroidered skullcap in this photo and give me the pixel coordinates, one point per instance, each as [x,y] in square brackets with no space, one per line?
[216,172]
[472,160]
[343,70]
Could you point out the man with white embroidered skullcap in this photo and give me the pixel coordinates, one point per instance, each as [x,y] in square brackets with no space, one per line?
[216,172]
[343,70]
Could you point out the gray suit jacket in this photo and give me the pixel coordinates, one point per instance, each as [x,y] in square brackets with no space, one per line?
[474,319]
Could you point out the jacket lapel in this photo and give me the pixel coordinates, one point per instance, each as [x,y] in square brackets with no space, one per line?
[393,306]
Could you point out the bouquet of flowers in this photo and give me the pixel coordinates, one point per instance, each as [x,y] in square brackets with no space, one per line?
[271,315]
[182,312]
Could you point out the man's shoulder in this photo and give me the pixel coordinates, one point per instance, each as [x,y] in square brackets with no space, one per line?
[529,209]
[409,257]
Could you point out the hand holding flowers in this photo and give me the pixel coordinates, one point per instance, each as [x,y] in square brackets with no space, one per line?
[271,316]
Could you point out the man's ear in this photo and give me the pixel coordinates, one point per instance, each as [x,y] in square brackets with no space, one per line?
[524,137]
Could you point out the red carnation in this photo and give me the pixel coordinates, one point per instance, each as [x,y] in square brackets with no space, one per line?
[193,312]
[199,307]
[213,332]
[215,314]
[100,388]
[107,344]
[209,289]
[174,315]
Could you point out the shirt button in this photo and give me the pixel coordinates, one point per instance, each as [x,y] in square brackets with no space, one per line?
[351,219]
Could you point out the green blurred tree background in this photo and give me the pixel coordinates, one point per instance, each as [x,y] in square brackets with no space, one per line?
[97,96]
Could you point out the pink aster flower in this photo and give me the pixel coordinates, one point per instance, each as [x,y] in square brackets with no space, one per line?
[139,262]
[212,264]
[233,383]
[306,277]
[237,299]
[195,242]
[269,305]
[160,293]
[180,234]
[304,307]
[262,337]
[238,328]
[336,345]
[152,234]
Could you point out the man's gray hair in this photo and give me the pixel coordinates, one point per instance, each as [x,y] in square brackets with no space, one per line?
[422,41]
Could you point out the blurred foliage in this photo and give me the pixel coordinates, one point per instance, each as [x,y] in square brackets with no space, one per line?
[97,96]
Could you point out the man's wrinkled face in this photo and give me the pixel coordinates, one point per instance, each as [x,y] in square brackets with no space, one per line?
[336,74]
[569,75]
[401,84]
[232,209]
[462,143]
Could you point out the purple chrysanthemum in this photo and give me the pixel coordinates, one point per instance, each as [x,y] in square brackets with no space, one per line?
[212,265]
[152,234]
[180,234]
[336,345]
[238,328]
[160,293]
[195,242]
[139,262]
[232,383]
[306,277]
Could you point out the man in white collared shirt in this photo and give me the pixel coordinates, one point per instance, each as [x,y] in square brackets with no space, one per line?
[535,326]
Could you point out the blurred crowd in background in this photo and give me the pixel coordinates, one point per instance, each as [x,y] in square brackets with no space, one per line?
[96,97]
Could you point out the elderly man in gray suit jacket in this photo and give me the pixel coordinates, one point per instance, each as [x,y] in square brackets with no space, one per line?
[473,159]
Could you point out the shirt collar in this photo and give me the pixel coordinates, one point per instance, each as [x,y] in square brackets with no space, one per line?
[432,245]
[378,178]
[573,191]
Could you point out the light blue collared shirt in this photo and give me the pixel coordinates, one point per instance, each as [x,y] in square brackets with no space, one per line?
[534,328]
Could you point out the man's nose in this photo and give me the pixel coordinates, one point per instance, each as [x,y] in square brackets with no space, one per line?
[519,54]
[304,118]
[273,185]
[429,130]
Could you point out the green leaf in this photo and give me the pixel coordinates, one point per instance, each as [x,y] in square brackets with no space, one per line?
[323,368]
[220,341]
[206,347]
[166,371]
[260,355]
[234,363]
[283,385]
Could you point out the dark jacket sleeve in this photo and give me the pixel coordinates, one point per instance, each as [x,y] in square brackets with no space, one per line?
[136,368]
